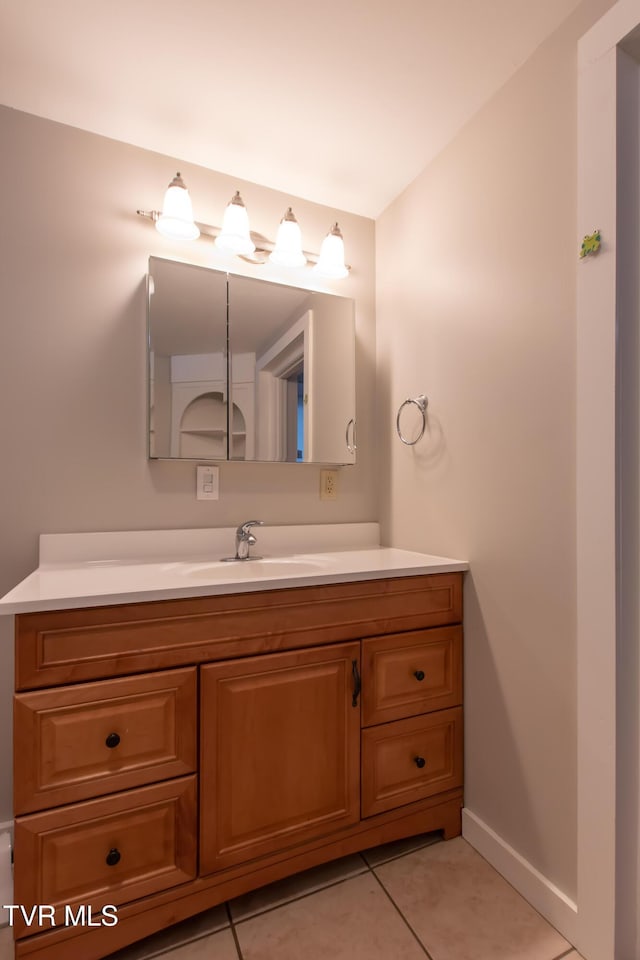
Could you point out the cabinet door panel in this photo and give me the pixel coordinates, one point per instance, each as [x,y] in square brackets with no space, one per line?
[279,752]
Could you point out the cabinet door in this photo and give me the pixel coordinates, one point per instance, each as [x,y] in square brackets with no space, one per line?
[280,747]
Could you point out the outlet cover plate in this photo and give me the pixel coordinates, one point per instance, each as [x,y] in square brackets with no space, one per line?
[328,484]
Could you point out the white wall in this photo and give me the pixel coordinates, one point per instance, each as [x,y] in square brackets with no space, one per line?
[476,308]
[73,260]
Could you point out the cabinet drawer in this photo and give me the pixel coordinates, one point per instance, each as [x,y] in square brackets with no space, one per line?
[108,851]
[392,769]
[72,743]
[406,674]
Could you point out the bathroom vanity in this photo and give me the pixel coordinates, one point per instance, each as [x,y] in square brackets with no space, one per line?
[180,749]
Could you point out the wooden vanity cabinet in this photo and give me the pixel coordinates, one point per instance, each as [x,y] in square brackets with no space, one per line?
[172,755]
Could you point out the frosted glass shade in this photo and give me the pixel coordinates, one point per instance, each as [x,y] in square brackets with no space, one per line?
[176,219]
[234,235]
[331,261]
[288,248]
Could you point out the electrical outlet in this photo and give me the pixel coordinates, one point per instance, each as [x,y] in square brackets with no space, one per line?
[207,486]
[328,484]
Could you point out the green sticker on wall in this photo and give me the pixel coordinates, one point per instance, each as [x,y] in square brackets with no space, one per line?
[590,244]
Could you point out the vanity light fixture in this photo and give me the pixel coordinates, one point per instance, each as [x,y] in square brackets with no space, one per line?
[331,261]
[235,236]
[176,222]
[288,248]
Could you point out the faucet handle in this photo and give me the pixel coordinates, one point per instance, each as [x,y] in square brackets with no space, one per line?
[243,529]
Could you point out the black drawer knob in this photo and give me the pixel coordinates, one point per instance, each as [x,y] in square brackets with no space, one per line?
[419,675]
[112,740]
[113,857]
[419,762]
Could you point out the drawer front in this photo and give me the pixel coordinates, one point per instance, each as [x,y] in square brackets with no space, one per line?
[83,741]
[71,646]
[411,759]
[107,851]
[406,674]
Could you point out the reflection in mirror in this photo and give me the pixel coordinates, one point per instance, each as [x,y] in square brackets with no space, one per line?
[292,373]
[285,355]
[187,361]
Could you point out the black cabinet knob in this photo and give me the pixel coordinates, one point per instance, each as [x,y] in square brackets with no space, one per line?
[112,740]
[419,674]
[113,857]
[419,762]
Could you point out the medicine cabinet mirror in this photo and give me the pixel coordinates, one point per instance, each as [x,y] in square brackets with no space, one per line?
[247,369]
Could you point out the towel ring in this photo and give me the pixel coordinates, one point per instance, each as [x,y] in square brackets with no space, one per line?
[421,403]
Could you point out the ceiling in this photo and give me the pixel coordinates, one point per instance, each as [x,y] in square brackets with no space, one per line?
[342,102]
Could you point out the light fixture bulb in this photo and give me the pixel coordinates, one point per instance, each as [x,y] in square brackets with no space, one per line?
[288,248]
[176,219]
[331,261]
[234,235]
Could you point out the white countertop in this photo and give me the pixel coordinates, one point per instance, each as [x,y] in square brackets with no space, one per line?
[83,570]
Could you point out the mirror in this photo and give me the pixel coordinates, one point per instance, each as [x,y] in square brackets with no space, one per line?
[187,330]
[284,355]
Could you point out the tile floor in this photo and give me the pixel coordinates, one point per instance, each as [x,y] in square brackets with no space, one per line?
[411,900]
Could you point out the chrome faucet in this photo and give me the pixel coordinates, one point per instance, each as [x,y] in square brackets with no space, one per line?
[245,539]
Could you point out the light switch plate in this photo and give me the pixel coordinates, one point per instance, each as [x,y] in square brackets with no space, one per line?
[207,483]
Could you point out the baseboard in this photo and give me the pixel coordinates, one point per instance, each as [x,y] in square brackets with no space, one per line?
[543,895]
[6,874]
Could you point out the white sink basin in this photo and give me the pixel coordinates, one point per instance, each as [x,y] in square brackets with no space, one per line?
[95,569]
[256,569]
